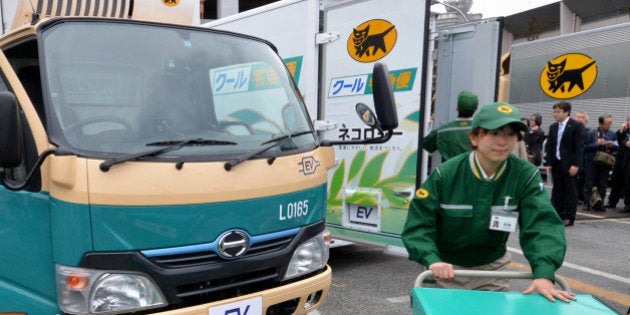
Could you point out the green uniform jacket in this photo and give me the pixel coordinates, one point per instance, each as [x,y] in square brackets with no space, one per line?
[450,139]
[449,216]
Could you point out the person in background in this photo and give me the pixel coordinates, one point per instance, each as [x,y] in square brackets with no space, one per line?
[599,139]
[462,215]
[582,117]
[451,138]
[626,158]
[621,170]
[564,154]
[520,149]
[534,139]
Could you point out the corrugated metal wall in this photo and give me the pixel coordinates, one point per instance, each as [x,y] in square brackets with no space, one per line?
[50,8]
[103,8]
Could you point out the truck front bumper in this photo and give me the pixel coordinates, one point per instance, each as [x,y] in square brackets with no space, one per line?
[306,295]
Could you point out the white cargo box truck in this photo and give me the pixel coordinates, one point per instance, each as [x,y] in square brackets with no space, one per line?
[330,48]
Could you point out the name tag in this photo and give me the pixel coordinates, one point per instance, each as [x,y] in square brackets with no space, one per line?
[503,220]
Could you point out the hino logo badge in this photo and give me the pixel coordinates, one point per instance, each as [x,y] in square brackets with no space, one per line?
[233,244]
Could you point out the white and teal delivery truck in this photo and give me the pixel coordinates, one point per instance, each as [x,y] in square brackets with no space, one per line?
[330,47]
[148,167]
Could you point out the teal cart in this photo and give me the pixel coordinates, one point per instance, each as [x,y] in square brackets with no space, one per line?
[432,301]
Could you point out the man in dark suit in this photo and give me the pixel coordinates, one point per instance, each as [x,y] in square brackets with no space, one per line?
[564,156]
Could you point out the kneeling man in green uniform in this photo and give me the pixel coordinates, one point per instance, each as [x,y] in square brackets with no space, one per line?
[462,215]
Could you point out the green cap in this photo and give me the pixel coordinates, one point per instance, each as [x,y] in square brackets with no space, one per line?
[496,115]
[467,101]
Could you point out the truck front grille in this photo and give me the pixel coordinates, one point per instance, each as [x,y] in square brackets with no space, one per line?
[211,257]
[217,289]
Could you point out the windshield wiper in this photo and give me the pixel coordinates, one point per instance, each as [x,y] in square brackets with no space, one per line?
[196,141]
[274,142]
[169,145]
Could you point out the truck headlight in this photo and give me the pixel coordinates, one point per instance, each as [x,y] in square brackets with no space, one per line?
[89,291]
[310,256]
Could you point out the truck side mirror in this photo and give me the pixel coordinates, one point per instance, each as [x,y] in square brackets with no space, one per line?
[383,95]
[10,133]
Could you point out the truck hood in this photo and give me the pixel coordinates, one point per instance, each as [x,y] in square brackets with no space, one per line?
[150,205]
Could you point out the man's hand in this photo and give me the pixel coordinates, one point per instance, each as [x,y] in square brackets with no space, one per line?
[546,288]
[573,170]
[442,271]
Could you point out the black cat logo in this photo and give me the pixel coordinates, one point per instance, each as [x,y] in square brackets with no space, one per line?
[372,40]
[568,76]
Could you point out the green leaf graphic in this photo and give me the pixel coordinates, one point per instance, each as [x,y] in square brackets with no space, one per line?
[355,167]
[367,198]
[410,166]
[372,171]
[337,182]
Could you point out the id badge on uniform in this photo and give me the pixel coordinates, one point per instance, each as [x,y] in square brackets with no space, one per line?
[503,220]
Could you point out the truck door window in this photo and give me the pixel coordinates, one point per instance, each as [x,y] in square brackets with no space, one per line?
[24,58]
[29,151]
[3,85]
[31,81]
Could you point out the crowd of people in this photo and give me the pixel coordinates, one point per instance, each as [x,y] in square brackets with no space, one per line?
[595,175]
[582,177]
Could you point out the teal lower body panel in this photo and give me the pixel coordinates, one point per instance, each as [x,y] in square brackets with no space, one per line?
[27,272]
[16,299]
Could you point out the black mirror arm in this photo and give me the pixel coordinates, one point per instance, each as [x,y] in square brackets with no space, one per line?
[11,185]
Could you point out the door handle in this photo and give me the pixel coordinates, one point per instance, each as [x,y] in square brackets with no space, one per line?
[402,193]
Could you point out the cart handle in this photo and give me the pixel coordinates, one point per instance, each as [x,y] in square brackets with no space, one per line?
[492,274]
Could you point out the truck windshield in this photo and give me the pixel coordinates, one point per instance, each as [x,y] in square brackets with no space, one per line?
[115,89]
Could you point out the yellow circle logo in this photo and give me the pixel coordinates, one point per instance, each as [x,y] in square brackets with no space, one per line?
[372,40]
[422,193]
[504,109]
[170,3]
[568,76]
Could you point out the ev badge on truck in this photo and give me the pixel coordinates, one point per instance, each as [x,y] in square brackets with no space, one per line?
[233,244]
[309,165]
